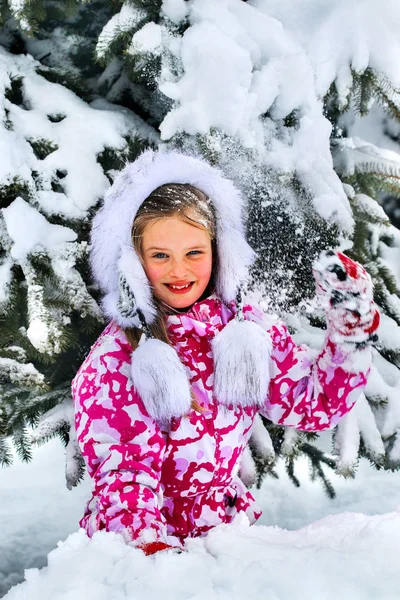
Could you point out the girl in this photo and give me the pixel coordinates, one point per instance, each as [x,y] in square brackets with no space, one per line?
[166,399]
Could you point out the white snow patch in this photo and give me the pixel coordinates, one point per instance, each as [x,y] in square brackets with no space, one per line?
[29,230]
[147,39]
[239,62]
[175,10]
[36,510]
[235,561]
[81,134]
[126,20]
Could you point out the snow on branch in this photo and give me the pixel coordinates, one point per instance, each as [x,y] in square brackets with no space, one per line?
[69,178]
[53,420]
[244,74]
[122,24]
[354,156]
[18,10]
[358,425]
[20,373]
[261,441]
[341,38]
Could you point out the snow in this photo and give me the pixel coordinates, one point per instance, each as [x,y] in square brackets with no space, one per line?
[246,65]
[239,64]
[305,545]
[5,279]
[389,333]
[147,39]
[342,35]
[352,155]
[83,132]
[36,510]
[17,8]
[215,90]
[126,20]
[233,562]
[243,61]
[175,10]
[19,373]
[29,230]
[391,256]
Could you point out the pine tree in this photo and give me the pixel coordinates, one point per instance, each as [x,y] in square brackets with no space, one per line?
[228,83]
[49,314]
[367,172]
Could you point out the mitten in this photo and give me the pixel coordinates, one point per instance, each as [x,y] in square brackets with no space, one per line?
[346,292]
[153,547]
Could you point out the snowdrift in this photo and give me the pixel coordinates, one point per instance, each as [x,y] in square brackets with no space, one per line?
[346,556]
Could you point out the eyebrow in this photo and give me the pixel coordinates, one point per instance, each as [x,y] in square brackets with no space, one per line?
[198,247]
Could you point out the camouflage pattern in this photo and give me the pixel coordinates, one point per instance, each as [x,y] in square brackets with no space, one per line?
[157,483]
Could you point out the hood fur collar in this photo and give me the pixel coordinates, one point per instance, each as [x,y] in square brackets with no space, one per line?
[113,255]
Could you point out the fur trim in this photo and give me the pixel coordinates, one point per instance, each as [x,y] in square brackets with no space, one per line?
[160,380]
[242,352]
[112,252]
[130,266]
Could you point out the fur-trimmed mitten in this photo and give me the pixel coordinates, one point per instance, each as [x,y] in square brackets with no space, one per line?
[346,292]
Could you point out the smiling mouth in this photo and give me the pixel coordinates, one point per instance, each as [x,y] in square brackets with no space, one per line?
[180,289]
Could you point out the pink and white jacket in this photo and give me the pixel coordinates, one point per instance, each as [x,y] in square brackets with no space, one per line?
[154,482]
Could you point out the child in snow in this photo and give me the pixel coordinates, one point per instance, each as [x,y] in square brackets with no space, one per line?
[166,399]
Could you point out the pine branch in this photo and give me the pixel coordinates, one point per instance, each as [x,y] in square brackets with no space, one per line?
[13,92]
[17,187]
[67,78]
[42,147]
[6,457]
[117,33]
[363,90]
[22,443]
[75,467]
[316,457]
[152,7]
[289,467]
[371,178]
[371,85]
[388,96]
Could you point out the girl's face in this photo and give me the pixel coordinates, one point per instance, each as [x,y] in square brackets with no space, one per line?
[177,258]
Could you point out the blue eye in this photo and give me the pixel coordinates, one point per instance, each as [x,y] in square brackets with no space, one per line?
[194,252]
[159,255]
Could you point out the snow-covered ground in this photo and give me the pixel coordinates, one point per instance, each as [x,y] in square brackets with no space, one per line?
[306,545]
[36,511]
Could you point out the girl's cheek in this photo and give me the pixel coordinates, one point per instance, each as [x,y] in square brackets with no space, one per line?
[154,273]
[204,269]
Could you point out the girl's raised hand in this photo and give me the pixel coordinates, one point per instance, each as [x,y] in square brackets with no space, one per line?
[346,292]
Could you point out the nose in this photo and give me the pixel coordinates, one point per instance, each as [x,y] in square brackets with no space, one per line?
[178,270]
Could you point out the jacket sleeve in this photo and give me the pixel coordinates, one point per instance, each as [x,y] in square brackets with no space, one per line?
[123,449]
[308,390]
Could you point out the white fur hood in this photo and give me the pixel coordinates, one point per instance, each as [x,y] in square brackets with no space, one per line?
[112,252]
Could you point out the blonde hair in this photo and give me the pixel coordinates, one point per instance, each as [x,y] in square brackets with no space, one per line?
[190,205]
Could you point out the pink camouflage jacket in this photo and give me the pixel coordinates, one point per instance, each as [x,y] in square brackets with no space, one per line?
[158,483]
